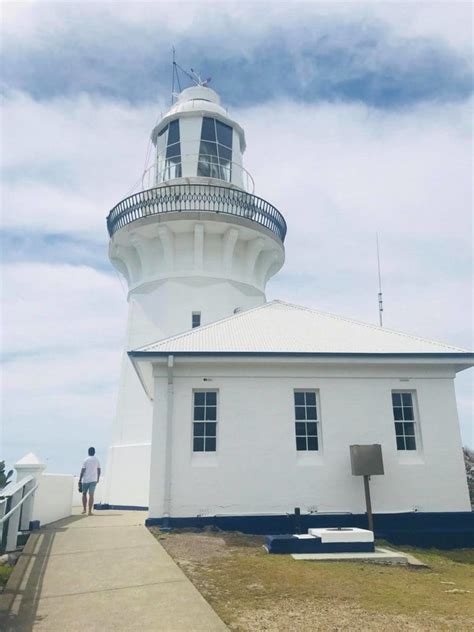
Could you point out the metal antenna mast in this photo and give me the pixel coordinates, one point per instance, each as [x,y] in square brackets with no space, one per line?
[380,283]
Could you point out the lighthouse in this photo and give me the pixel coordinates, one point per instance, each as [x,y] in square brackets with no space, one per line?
[195,245]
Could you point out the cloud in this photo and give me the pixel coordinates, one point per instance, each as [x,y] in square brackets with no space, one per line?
[63,331]
[60,307]
[306,51]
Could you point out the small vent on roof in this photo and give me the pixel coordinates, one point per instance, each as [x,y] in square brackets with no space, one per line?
[237,310]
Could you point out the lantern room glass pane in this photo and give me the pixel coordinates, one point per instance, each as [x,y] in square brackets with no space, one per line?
[173,134]
[224,134]
[208,129]
[215,150]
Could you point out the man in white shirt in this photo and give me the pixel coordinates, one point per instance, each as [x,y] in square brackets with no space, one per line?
[90,475]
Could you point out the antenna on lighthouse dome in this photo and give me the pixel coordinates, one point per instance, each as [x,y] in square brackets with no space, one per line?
[194,76]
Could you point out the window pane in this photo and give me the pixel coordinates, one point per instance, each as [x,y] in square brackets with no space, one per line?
[312,443]
[225,154]
[210,429]
[199,413]
[409,428]
[198,445]
[410,443]
[397,413]
[208,131]
[173,150]
[400,443]
[199,399]
[211,399]
[198,430]
[311,412]
[301,443]
[299,399]
[311,399]
[396,399]
[300,412]
[408,413]
[204,168]
[163,131]
[300,428]
[210,445]
[406,399]
[398,428]
[208,149]
[312,429]
[211,413]
[224,134]
[173,135]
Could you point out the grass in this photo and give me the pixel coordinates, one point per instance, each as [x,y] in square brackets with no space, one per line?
[5,572]
[252,590]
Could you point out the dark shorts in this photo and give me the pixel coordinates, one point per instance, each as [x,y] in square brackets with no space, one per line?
[88,487]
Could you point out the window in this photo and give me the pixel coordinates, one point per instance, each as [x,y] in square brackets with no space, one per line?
[215,151]
[306,421]
[169,152]
[404,418]
[196,319]
[205,421]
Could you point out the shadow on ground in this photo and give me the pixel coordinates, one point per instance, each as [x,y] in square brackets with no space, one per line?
[19,601]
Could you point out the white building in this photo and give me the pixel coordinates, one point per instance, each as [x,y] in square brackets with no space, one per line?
[231,406]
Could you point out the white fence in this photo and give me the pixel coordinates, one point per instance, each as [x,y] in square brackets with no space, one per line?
[35,496]
[53,499]
[16,507]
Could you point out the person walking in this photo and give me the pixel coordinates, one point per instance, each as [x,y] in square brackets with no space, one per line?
[90,476]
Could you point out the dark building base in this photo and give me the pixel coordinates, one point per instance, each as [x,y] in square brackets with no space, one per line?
[105,506]
[444,530]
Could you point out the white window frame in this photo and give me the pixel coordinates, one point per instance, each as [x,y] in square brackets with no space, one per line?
[415,421]
[305,421]
[204,421]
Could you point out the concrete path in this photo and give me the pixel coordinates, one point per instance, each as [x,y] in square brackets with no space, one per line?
[99,573]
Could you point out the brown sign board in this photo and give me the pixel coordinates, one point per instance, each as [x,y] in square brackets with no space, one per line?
[366,460]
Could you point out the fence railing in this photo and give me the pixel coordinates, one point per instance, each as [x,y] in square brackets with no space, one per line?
[16,506]
[196,198]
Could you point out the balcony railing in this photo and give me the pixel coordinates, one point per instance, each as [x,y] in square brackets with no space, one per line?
[189,164]
[196,198]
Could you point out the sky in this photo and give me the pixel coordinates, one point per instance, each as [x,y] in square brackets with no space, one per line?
[357,118]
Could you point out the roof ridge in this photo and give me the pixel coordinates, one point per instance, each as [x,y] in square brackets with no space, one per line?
[368,325]
[195,330]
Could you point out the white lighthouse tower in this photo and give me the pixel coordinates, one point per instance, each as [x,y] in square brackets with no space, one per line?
[195,245]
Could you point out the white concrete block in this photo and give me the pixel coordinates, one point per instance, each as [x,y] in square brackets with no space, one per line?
[346,534]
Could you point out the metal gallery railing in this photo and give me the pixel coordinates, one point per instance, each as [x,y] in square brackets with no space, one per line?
[196,198]
[16,507]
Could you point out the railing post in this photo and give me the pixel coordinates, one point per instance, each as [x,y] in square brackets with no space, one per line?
[14,522]
[29,465]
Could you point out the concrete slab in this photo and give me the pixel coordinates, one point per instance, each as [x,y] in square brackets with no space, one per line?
[380,555]
[103,574]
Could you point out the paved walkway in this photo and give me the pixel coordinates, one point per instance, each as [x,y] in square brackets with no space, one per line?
[99,573]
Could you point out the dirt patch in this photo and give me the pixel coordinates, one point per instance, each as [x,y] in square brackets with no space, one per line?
[253,591]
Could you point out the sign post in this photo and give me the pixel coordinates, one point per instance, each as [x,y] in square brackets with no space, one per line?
[366,461]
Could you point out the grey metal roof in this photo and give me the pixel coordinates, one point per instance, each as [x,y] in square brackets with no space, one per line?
[282,328]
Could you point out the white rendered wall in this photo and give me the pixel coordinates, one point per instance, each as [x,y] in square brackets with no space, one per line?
[176,268]
[53,498]
[257,469]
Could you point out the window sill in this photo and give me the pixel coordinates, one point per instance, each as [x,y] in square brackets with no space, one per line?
[204,459]
[309,458]
[410,457]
